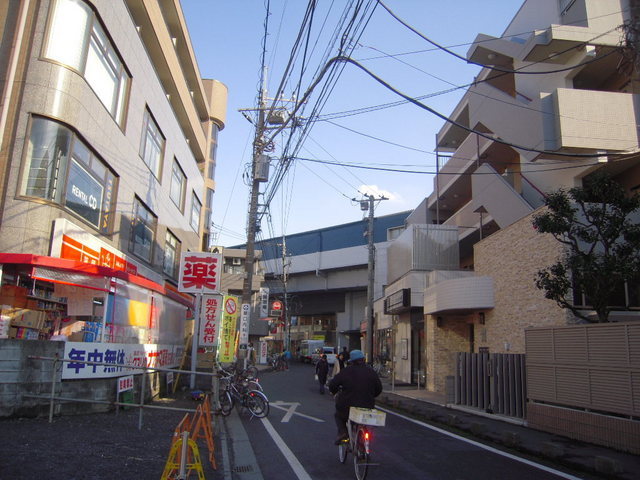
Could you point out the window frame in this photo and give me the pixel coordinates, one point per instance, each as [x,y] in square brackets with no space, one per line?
[89,164]
[195,201]
[183,185]
[152,134]
[151,226]
[173,272]
[108,55]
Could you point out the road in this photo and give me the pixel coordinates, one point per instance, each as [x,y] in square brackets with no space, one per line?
[296,442]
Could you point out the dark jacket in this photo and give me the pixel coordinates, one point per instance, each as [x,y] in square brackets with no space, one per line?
[322,368]
[360,386]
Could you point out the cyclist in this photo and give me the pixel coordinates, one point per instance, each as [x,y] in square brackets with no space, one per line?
[356,385]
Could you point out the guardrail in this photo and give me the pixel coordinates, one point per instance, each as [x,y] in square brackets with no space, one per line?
[141,405]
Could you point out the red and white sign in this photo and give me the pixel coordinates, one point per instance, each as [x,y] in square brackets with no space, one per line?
[125,383]
[230,305]
[277,305]
[210,318]
[200,272]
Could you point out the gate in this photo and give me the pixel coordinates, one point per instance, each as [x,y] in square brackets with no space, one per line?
[493,382]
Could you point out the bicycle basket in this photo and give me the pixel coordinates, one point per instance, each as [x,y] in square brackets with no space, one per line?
[367,416]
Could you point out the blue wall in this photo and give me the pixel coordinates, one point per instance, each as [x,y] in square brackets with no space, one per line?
[330,238]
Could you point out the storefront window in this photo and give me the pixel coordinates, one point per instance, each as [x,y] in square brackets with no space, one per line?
[61,168]
[143,231]
[76,39]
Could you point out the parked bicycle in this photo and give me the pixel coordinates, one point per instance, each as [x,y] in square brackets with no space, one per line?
[382,367]
[359,442]
[278,362]
[243,392]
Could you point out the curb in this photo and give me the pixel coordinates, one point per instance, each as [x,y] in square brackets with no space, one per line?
[547,447]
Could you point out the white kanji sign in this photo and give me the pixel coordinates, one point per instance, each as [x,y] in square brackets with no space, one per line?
[210,317]
[200,272]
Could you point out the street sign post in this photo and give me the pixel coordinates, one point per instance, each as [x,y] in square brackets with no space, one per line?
[199,274]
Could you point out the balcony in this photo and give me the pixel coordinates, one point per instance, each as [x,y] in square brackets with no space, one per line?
[422,248]
[587,119]
[465,293]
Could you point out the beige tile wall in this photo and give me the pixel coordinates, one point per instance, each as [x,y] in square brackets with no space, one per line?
[512,257]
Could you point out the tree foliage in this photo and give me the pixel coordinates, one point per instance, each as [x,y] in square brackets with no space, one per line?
[594,222]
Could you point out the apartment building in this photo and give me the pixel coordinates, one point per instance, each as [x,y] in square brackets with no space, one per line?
[553,103]
[107,169]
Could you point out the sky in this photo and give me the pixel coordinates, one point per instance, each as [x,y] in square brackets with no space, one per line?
[228,37]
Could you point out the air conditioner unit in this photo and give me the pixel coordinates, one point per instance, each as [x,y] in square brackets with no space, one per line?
[236,261]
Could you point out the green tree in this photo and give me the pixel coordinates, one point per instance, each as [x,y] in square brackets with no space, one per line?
[602,243]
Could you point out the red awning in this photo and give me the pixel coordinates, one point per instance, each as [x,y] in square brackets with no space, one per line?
[89,269]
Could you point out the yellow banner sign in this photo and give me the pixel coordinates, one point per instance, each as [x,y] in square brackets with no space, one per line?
[226,348]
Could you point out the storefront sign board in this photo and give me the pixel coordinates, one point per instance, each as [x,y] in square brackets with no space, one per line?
[200,272]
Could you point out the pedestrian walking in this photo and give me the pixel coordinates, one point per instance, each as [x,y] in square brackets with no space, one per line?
[345,355]
[322,370]
[338,365]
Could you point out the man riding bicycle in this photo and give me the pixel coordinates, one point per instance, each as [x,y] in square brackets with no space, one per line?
[357,385]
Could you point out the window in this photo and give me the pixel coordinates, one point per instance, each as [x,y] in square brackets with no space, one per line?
[178,185]
[61,168]
[171,255]
[76,39]
[196,207]
[207,237]
[143,231]
[151,144]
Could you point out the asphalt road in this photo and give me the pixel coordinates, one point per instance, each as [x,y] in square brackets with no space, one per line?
[296,442]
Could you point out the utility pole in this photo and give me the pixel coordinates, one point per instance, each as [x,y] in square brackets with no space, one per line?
[287,317]
[258,149]
[369,205]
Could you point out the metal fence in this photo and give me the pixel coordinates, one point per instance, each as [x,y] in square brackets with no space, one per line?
[494,382]
[141,405]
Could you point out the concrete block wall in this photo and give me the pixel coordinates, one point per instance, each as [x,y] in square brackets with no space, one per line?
[20,375]
[511,257]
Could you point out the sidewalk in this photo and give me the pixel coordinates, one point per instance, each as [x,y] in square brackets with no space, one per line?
[510,433]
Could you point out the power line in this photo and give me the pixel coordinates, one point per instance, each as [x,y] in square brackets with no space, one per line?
[412,100]
[490,67]
[421,172]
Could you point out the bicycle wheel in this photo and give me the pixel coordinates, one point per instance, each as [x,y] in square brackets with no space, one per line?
[361,453]
[257,403]
[226,402]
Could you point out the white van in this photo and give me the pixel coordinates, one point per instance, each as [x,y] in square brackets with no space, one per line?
[329,352]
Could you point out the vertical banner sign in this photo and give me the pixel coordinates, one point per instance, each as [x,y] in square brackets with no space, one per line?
[244,326]
[200,272]
[263,353]
[210,316]
[226,348]
[264,302]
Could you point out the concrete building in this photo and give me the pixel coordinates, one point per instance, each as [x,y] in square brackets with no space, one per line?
[553,103]
[107,166]
[321,278]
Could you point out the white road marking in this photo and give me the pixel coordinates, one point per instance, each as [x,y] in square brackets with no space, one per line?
[290,408]
[296,466]
[485,447]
